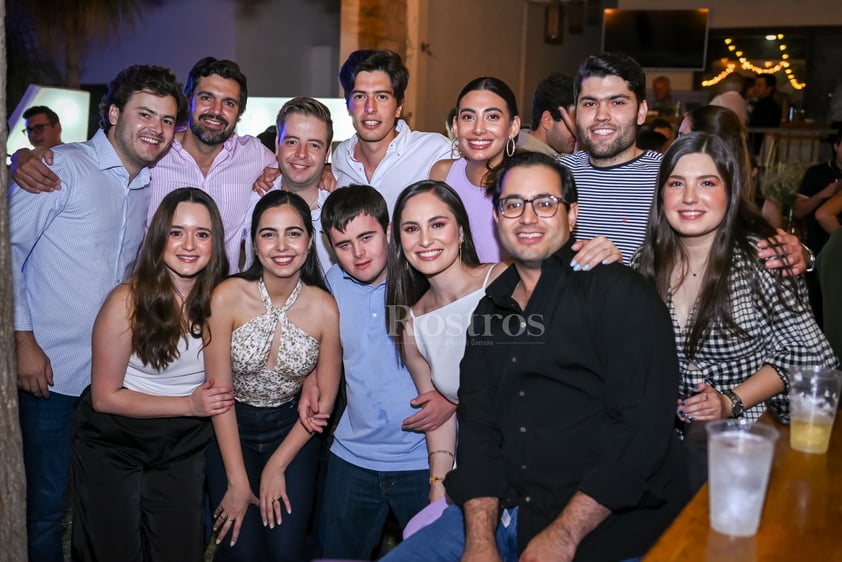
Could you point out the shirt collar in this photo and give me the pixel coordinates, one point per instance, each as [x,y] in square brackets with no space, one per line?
[396,143]
[359,283]
[109,159]
[556,266]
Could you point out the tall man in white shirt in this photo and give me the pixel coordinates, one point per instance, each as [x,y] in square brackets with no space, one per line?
[384,153]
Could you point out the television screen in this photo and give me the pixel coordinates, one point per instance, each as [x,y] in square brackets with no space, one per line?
[662,39]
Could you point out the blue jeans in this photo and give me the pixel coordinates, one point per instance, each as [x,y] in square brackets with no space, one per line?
[357,501]
[261,432]
[47,430]
[444,539]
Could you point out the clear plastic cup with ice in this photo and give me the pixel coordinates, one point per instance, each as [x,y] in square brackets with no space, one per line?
[739,462]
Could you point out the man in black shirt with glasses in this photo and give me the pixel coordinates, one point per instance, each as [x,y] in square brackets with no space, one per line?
[566,401]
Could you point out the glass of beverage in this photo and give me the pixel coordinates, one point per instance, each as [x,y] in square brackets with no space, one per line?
[739,461]
[813,399]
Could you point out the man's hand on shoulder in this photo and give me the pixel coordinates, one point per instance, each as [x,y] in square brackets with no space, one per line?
[31,173]
[264,182]
[783,251]
[328,181]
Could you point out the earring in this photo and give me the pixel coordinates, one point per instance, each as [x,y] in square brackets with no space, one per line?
[460,251]
[510,147]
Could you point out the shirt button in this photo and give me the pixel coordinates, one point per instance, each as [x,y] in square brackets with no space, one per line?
[374,315]
[522,325]
[527,499]
[521,393]
[523,429]
[523,467]
[514,359]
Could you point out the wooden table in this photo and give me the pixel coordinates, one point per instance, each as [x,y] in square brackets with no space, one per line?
[802,515]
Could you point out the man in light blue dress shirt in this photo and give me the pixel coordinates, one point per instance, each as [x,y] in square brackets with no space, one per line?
[70,248]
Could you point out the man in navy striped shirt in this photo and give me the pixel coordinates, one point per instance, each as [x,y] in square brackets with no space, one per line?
[616,180]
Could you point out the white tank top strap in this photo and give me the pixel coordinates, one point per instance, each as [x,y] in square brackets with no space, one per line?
[488,275]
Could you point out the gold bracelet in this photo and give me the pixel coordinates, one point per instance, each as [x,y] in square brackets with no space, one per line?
[434,479]
[441,451]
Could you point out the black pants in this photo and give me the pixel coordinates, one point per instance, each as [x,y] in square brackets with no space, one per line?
[138,487]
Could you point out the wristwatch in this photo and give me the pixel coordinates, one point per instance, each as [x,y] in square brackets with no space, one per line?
[811,259]
[737,407]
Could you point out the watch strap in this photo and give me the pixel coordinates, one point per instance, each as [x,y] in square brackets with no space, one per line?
[737,407]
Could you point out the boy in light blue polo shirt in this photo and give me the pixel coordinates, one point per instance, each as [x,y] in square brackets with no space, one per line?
[374,466]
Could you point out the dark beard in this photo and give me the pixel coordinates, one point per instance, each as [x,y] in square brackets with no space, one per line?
[207,136]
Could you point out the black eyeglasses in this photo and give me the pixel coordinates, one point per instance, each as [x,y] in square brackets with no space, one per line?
[544,206]
[37,129]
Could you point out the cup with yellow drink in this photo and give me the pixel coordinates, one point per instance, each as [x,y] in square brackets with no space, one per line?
[813,397]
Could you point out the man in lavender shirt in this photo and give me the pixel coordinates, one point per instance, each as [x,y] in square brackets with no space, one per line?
[208,154]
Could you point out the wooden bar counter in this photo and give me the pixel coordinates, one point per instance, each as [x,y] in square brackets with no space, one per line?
[802,515]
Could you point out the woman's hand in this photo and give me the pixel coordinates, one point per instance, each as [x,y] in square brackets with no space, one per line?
[231,512]
[273,496]
[591,253]
[208,401]
[706,404]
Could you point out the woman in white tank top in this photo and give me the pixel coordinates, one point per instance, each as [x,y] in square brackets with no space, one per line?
[434,283]
[143,426]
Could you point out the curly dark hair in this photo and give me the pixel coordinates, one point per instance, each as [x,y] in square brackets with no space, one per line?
[157,80]
[613,64]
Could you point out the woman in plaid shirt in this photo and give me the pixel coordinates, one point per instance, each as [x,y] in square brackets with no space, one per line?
[738,326]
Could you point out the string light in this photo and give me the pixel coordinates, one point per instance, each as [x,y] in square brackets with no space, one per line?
[729,68]
[768,66]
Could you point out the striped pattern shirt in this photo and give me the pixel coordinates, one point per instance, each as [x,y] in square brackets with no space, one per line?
[229,181]
[614,202]
[70,248]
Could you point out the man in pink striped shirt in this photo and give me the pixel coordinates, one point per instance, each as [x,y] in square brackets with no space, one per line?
[208,154]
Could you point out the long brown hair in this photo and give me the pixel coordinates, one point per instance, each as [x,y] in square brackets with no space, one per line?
[405,284]
[157,322]
[741,228]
